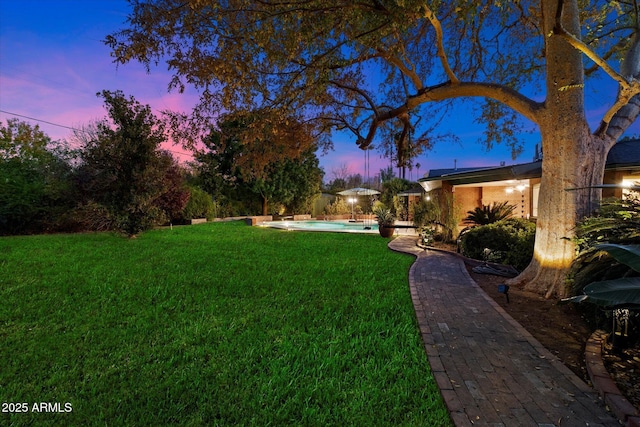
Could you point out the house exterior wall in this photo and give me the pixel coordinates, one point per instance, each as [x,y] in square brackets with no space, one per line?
[466,199]
[612,177]
[521,200]
[469,198]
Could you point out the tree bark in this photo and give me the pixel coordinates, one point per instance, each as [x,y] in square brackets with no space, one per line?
[572,163]
[573,159]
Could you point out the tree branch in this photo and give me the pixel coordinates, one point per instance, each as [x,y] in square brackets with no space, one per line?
[628,85]
[440,40]
[513,99]
[504,94]
[404,69]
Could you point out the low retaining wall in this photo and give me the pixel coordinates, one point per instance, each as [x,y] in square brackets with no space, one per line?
[255,220]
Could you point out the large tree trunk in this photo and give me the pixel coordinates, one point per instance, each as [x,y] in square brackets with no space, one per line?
[573,162]
[572,158]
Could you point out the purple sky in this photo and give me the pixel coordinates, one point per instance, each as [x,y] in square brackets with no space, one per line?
[52,63]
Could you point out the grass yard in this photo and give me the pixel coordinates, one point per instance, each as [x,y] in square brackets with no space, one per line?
[214,324]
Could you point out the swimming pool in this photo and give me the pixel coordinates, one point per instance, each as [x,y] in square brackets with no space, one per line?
[337,226]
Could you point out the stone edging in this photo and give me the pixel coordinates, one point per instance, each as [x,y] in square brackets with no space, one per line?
[604,385]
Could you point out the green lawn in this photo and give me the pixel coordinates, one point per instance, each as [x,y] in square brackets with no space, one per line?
[214,324]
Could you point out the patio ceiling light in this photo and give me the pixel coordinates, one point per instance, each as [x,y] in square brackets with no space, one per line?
[519,187]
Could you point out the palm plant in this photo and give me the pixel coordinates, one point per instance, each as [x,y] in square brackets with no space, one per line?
[384,215]
[488,214]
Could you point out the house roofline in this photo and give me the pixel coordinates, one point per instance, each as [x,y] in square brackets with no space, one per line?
[618,159]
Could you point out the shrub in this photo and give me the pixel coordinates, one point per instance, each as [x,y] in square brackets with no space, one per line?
[621,294]
[425,212]
[398,208]
[338,207]
[91,216]
[200,205]
[509,241]
[617,221]
[488,214]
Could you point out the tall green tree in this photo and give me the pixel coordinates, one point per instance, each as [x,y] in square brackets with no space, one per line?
[219,172]
[293,183]
[322,58]
[20,140]
[35,179]
[124,170]
[233,167]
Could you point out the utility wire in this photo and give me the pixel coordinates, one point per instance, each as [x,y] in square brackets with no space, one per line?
[37,120]
[72,128]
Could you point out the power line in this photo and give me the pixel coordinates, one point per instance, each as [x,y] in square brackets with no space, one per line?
[37,120]
[74,129]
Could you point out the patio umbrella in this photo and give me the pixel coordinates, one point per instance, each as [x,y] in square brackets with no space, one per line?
[358,191]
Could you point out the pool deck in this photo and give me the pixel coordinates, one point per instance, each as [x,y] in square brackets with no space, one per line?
[490,370]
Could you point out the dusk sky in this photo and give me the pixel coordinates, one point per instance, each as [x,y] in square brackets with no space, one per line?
[53,62]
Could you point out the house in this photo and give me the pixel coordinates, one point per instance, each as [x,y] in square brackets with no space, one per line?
[520,184]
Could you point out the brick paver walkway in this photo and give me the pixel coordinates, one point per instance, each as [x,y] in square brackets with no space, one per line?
[490,370]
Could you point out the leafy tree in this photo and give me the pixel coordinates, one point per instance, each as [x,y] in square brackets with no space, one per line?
[175,195]
[35,178]
[124,171]
[21,140]
[216,167]
[291,182]
[21,194]
[386,174]
[319,57]
[234,169]
[336,185]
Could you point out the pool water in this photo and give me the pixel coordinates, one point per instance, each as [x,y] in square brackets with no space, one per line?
[338,226]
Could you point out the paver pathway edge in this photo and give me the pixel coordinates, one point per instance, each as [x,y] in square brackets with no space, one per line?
[489,369]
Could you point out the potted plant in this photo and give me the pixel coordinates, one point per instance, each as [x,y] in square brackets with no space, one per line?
[385,221]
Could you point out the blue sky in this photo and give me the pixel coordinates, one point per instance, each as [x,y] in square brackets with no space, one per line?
[52,63]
